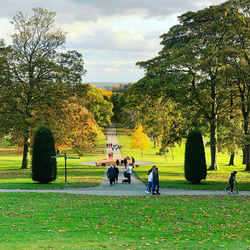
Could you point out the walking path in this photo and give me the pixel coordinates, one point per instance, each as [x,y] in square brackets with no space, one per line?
[136,187]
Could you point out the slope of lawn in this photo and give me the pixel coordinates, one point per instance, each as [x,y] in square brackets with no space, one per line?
[171,167]
[12,176]
[55,221]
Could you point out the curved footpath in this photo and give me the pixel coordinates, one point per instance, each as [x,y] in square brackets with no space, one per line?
[136,187]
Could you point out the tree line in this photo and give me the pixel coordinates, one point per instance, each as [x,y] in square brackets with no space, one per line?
[40,84]
[199,79]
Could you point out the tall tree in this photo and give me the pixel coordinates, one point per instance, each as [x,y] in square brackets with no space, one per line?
[237,59]
[40,76]
[189,66]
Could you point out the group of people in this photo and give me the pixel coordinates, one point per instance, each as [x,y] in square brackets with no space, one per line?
[153,186]
[153,181]
[113,173]
[113,147]
[125,162]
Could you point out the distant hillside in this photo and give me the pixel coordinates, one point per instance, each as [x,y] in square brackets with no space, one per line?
[106,85]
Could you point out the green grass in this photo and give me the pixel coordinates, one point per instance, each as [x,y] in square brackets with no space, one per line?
[171,168]
[56,221]
[78,176]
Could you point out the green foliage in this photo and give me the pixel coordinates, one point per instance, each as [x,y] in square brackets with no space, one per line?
[195,160]
[7,141]
[43,166]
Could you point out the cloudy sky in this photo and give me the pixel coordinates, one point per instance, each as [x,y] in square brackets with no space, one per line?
[112,35]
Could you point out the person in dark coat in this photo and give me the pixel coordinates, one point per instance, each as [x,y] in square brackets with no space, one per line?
[125,162]
[133,161]
[111,174]
[156,184]
[117,162]
[231,181]
[116,174]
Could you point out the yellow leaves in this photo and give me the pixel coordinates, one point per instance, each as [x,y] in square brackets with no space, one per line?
[139,139]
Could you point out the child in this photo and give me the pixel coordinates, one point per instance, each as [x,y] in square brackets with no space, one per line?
[150,180]
[231,181]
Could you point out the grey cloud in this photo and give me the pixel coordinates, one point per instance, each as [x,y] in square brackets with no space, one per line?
[90,10]
[160,8]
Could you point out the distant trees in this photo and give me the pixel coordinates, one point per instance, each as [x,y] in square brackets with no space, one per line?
[96,101]
[43,166]
[195,162]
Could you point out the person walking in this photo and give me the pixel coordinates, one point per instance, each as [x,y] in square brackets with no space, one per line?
[111,175]
[150,181]
[125,161]
[116,174]
[133,161]
[129,172]
[231,181]
[155,181]
[117,162]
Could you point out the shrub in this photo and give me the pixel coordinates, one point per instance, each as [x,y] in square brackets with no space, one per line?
[43,166]
[195,160]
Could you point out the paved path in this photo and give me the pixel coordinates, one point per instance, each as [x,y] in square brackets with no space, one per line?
[135,188]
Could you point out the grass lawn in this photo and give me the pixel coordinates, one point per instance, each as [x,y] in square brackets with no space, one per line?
[12,176]
[171,168]
[56,221]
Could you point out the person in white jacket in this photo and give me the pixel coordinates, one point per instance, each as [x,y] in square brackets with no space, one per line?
[129,172]
[150,180]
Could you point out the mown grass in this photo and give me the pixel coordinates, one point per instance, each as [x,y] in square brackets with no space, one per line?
[171,167]
[55,221]
[78,176]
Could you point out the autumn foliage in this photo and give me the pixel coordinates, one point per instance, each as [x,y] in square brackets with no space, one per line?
[140,140]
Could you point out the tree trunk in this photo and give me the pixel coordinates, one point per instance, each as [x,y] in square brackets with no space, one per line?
[244,156]
[247,146]
[25,153]
[247,150]
[231,162]
[213,145]
[213,127]
[172,153]
[154,142]
[141,153]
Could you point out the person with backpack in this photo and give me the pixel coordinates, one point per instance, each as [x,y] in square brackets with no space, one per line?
[232,179]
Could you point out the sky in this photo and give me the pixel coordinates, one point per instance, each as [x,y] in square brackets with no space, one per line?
[112,35]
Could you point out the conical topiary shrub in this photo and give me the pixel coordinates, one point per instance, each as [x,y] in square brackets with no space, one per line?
[195,160]
[43,166]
